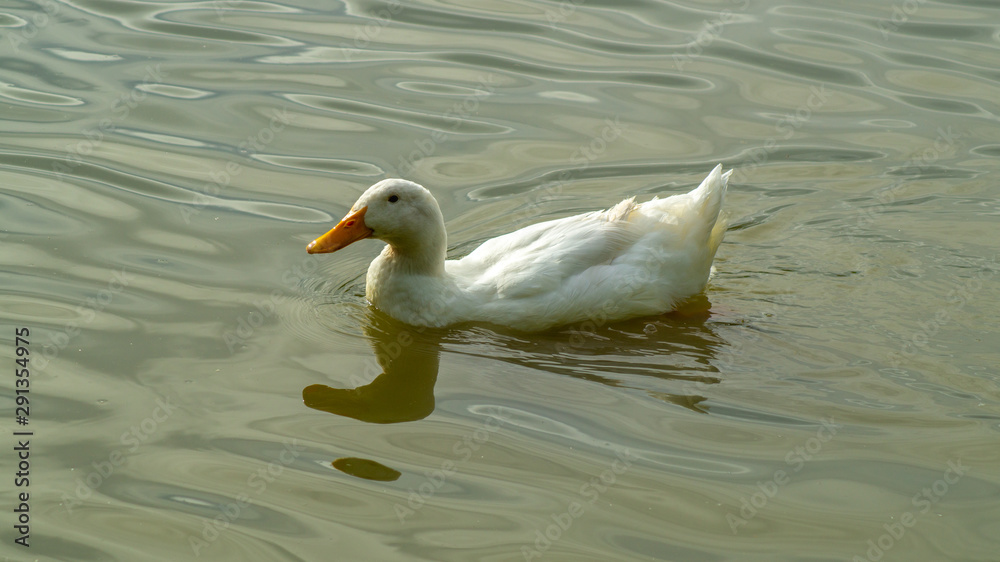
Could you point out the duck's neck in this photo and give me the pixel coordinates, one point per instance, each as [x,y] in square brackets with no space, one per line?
[407,280]
[422,255]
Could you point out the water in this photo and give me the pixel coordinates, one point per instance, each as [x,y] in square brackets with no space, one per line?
[201,388]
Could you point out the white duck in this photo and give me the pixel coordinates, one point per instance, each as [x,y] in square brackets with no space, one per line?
[634,259]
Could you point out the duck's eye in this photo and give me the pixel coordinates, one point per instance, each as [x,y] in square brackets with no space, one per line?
[393,198]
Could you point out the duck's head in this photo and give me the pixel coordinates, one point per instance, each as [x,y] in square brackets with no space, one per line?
[400,212]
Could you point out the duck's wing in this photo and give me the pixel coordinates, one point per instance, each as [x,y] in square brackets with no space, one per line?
[542,257]
[681,231]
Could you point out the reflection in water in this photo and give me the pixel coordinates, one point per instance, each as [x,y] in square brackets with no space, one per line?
[653,355]
[624,354]
[870,212]
[367,469]
[690,401]
[404,391]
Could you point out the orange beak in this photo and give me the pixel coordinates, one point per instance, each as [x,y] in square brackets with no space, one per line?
[351,229]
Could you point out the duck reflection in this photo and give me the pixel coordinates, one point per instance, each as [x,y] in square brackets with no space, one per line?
[642,354]
[409,358]
[625,354]
[367,469]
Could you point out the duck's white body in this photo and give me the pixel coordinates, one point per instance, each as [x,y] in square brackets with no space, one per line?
[634,259]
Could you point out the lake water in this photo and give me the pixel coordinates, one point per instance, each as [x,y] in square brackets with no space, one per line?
[201,388]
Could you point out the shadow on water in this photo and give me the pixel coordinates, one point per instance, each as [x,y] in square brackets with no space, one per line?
[642,354]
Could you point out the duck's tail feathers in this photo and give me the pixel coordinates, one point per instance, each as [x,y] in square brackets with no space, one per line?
[709,195]
[703,205]
[709,203]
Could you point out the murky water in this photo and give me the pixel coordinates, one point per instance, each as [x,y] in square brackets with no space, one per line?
[200,388]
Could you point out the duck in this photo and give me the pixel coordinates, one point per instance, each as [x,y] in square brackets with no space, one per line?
[631,260]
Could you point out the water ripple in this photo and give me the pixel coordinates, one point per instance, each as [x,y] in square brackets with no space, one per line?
[853,288]
[454,123]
